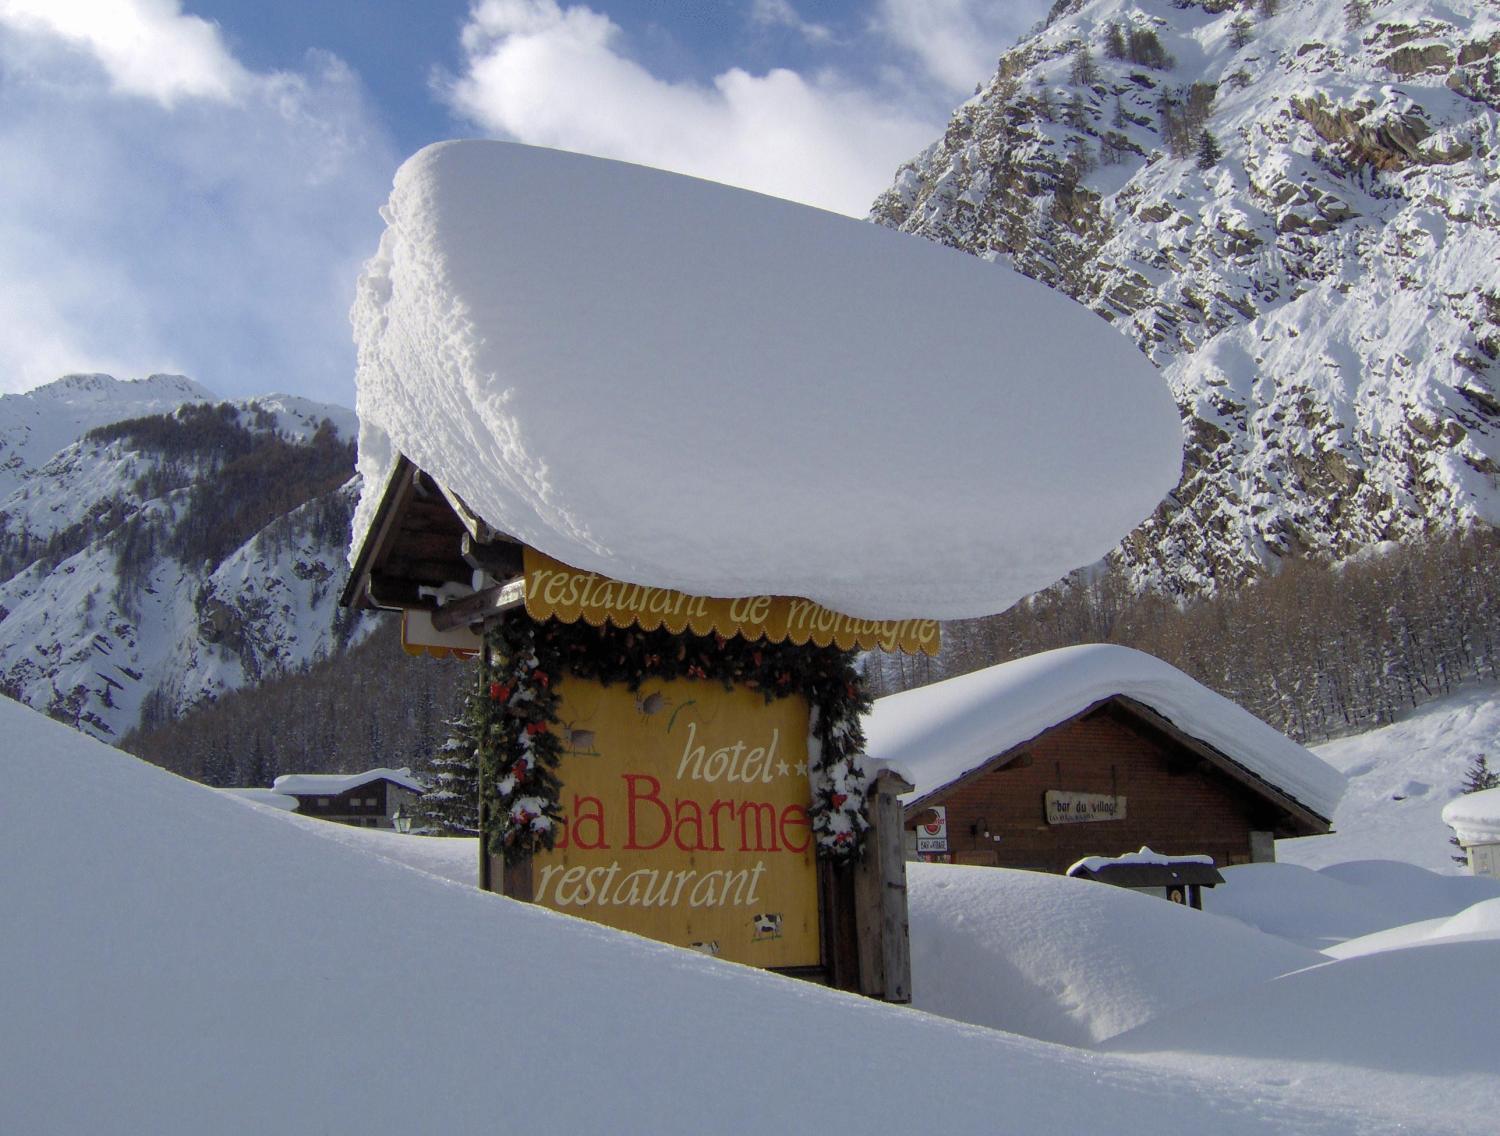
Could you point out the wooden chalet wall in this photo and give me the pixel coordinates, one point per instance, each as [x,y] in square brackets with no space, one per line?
[1176,803]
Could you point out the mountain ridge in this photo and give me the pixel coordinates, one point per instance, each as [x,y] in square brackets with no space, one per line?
[171,548]
[1322,294]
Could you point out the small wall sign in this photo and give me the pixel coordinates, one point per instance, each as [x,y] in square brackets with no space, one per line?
[933,836]
[1066,807]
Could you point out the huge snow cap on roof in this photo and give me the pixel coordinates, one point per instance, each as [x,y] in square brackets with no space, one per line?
[935,734]
[1475,817]
[681,384]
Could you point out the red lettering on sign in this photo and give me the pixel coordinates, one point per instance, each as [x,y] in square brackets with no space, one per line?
[651,797]
[796,816]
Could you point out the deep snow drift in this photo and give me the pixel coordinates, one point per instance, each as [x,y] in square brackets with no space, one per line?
[681,384]
[174,960]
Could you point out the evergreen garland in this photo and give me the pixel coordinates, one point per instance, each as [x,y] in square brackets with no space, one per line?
[519,750]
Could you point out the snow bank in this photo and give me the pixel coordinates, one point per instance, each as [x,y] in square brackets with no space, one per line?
[173,961]
[1414,1030]
[1343,901]
[681,384]
[938,733]
[1069,960]
[264,797]
[1481,921]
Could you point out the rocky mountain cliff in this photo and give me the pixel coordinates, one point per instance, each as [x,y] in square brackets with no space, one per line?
[1292,207]
[158,548]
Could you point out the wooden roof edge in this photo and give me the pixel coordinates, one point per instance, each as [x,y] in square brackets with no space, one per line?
[398,489]
[1316,823]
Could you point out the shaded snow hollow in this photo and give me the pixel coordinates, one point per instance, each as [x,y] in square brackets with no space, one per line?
[681,384]
[937,733]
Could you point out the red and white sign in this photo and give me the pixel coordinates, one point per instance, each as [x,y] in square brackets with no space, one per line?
[933,835]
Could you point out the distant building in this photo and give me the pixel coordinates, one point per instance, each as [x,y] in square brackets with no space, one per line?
[1096,750]
[366,800]
[1475,820]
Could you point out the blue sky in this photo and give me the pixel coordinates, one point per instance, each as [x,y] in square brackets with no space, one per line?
[191,185]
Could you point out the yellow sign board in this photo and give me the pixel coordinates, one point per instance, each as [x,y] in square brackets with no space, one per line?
[686,819]
[555,591]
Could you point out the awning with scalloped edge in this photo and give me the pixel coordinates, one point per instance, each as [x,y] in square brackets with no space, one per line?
[556,591]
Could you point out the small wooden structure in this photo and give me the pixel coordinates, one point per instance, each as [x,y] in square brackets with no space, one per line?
[672,822]
[1106,780]
[1177,879]
[1094,750]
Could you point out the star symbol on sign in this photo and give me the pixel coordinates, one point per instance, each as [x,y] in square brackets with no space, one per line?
[801,769]
[781,769]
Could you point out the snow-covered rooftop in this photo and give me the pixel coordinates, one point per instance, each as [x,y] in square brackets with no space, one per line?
[332,784]
[681,384]
[937,733]
[1475,817]
[1144,858]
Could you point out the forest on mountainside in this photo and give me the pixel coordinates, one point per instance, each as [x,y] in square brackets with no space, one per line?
[370,706]
[1315,650]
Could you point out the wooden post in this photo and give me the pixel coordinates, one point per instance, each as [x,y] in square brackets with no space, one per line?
[517,881]
[880,897]
[486,878]
[895,937]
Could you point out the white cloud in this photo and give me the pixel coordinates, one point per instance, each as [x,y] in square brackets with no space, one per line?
[780,13]
[957,42]
[147,47]
[558,76]
[164,208]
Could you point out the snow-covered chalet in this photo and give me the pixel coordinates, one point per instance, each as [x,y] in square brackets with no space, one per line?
[1094,750]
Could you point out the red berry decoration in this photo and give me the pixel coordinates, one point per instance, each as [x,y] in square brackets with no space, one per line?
[838,800]
[499,691]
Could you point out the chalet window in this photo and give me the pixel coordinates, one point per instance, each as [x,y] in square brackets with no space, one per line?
[322,802]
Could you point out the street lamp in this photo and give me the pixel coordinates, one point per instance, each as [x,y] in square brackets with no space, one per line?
[401,819]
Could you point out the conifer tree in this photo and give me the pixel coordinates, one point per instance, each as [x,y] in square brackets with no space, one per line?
[1114,42]
[1208,151]
[1084,73]
[450,807]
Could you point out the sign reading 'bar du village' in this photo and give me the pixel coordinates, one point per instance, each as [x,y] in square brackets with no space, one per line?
[1064,807]
[686,819]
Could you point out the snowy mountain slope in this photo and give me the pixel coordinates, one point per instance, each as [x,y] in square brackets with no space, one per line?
[159,559]
[1323,295]
[1400,777]
[175,961]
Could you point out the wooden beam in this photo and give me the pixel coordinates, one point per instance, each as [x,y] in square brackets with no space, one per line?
[481,605]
